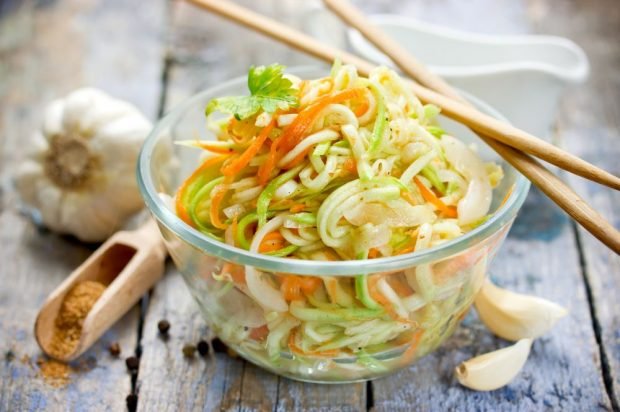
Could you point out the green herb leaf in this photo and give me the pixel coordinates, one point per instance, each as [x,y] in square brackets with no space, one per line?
[269,90]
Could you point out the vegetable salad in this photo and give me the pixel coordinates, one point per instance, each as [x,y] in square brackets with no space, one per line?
[337,168]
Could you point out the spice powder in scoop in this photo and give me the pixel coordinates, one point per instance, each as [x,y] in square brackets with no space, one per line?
[73,310]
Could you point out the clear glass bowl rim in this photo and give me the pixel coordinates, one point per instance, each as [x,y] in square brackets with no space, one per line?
[224,251]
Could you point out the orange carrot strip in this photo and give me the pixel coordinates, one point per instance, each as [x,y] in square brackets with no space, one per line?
[236,272]
[297,208]
[214,148]
[408,355]
[217,195]
[429,196]
[264,171]
[362,108]
[373,253]
[505,199]
[180,207]
[242,161]
[349,165]
[294,133]
[272,241]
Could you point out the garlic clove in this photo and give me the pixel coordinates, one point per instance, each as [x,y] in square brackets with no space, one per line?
[514,316]
[494,369]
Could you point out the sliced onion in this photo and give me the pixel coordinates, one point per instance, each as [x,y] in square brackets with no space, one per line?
[477,200]
[394,213]
[259,286]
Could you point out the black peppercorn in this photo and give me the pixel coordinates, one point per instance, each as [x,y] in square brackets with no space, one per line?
[132,363]
[163,326]
[218,345]
[203,348]
[115,349]
[132,402]
[189,350]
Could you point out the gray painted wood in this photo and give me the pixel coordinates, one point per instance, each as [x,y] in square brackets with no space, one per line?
[589,126]
[46,51]
[539,257]
[50,49]
[205,51]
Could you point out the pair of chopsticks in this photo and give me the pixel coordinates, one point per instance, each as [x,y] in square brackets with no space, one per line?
[514,145]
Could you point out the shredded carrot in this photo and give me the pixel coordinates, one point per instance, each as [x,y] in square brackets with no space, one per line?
[179,205]
[264,170]
[296,208]
[349,165]
[217,195]
[272,241]
[362,107]
[382,300]
[259,333]
[304,120]
[293,287]
[505,199]
[373,253]
[296,349]
[401,287]
[429,196]
[242,161]
[406,250]
[408,355]
[214,148]
[236,273]
[295,132]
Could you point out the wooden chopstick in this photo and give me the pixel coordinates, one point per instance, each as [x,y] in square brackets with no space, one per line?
[469,116]
[550,184]
[546,181]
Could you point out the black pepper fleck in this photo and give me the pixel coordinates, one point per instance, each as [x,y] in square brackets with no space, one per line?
[218,345]
[114,349]
[163,326]
[132,402]
[203,348]
[132,363]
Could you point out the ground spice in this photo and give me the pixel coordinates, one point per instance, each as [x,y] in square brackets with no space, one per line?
[74,309]
[54,372]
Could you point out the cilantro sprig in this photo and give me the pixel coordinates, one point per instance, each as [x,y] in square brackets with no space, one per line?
[269,91]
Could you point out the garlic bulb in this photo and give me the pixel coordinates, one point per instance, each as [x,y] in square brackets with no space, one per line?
[513,316]
[80,174]
[494,369]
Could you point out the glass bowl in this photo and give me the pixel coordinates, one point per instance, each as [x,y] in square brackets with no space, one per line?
[343,341]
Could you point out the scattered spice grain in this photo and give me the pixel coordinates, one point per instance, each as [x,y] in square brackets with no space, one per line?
[189,350]
[54,373]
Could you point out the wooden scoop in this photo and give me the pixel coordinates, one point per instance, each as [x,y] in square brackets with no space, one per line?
[129,264]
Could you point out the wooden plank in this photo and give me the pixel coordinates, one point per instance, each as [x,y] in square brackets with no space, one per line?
[203,52]
[539,257]
[47,50]
[589,127]
[299,396]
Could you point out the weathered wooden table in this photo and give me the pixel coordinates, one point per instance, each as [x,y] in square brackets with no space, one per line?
[157,53]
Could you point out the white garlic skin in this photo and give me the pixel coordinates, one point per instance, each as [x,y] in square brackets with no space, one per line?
[80,173]
[495,369]
[513,316]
